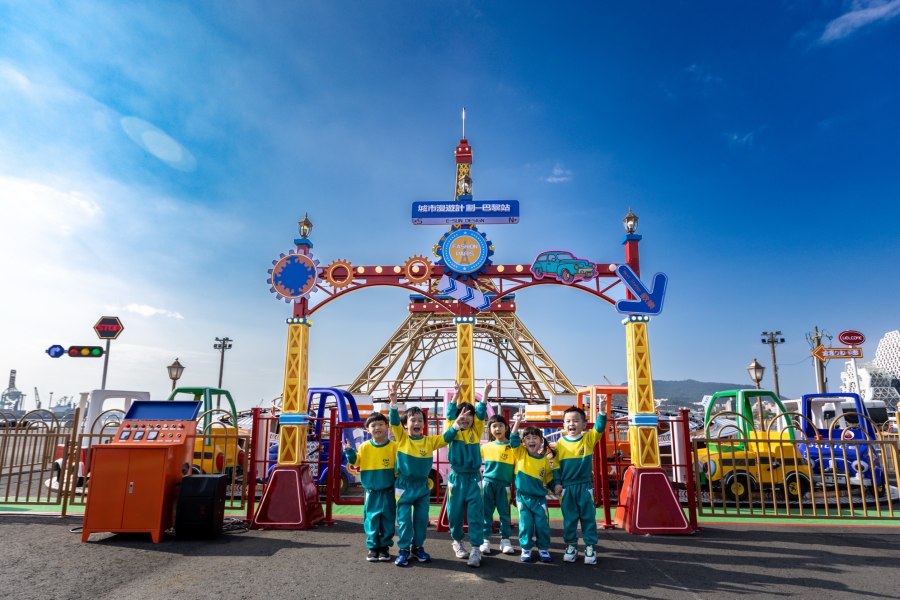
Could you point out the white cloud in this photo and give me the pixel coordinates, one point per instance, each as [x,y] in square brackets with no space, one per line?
[560,174]
[740,140]
[862,14]
[150,311]
[159,144]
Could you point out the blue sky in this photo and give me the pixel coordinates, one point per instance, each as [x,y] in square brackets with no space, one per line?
[155,158]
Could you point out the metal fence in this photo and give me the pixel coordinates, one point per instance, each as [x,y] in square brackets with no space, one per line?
[784,474]
[45,462]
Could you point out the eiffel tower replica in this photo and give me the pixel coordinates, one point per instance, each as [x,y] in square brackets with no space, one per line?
[429,330]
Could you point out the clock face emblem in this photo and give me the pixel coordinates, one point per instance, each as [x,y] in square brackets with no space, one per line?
[464,252]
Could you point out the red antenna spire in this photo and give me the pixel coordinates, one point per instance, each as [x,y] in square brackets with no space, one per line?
[463,150]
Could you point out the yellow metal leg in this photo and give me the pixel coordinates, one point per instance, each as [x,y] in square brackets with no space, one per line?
[465,359]
[292,439]
[643,419]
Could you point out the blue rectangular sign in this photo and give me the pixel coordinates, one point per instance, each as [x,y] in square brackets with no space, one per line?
[466,212]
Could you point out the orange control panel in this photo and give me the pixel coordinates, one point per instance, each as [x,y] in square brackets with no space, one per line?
[132,433]
[134,479]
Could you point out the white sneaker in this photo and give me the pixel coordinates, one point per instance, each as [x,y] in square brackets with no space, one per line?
[590,557]
[485,547]
[474,558]
[459,548]
[506,547]
[571,553]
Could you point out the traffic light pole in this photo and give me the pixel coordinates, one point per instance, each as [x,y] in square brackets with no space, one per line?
[105,365]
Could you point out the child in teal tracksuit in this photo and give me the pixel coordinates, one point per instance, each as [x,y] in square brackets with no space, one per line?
[535,476]
[415,453]
[499,470]
[575,472]
[376,459]
[464,483]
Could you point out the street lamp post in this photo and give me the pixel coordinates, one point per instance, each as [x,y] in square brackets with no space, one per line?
[772,338]
[175,371]
[222,344]
[756,371]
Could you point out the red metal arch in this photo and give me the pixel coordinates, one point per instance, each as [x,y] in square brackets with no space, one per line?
[334,295]
[520,280]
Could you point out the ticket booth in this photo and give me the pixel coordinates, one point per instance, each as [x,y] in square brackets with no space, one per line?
[134,480]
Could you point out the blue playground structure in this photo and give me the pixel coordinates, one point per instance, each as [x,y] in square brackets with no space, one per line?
[318,440]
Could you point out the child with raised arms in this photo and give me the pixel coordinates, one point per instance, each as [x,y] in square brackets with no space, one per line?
[499,470]
[376,459]
[574,465]
[415,453]
[464,483]
[534,477]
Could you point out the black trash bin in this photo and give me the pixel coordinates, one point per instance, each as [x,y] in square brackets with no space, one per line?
[200,511]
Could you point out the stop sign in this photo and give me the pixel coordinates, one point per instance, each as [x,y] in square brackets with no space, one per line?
[108,328]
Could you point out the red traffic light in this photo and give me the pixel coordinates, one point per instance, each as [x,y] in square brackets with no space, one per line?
[85,351]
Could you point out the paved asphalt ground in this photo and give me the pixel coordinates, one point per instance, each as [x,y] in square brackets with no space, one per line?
[43,558]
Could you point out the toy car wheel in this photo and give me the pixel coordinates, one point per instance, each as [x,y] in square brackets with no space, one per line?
[738,487]
[538,273]
[566,276]
[796,485]
[875,491]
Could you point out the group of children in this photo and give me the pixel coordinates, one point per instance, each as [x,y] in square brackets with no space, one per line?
[394,474]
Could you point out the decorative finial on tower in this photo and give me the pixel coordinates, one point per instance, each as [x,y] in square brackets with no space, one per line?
[464,122]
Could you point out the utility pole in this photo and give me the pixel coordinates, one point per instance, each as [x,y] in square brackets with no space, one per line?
[771,338]
[815,340]
[222,345]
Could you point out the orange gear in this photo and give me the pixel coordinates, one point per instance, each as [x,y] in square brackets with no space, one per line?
[417,269]
[339,273]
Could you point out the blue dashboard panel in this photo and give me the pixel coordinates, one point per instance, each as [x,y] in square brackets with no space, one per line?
[163,410]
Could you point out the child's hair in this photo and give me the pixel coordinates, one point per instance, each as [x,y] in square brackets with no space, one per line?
[374,418]
[575,409]
[497,419]
[545,447]
[412,410]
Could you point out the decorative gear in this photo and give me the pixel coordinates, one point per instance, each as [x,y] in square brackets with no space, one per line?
[339,273]
[417,269]
[293,276]
[464,252]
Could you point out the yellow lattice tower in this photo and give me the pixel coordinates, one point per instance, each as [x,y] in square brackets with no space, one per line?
[643,420]
[465,358]
[294,418]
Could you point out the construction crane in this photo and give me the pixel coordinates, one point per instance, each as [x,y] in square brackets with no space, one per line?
[12,399]
[37,399]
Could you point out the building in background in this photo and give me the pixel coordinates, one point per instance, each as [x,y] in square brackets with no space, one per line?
[879,379]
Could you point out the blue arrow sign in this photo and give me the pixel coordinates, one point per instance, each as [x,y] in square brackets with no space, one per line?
[649,302]
[55,351]
[464,293]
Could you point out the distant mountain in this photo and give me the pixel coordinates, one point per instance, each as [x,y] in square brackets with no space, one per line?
[688,391]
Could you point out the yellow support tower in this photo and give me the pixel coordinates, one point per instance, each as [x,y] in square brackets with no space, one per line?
[291,499]
[643,420]
[292,441]
[647,503]
[465,358]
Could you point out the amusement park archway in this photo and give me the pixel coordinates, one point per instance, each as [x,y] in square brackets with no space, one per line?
[464,299]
